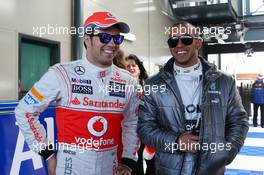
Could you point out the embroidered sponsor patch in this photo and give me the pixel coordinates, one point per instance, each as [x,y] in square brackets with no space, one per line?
[81,81]
[212,87]
[117,89]
[118,79]
[79,70]
[102,74]
[30,119]
[104,104]
[117,74]
[30,100]
[75,101]
[37,94]
[82,89]
[69,152]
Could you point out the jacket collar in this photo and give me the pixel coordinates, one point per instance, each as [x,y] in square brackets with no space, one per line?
[96,71]
[210,72]
[168,76]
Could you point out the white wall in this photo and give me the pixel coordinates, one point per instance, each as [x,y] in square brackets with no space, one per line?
[146,22]
[18,16]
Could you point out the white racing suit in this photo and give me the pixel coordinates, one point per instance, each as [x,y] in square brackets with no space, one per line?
[95,109]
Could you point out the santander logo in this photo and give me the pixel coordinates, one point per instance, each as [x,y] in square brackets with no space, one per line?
[97,126]
[76,101]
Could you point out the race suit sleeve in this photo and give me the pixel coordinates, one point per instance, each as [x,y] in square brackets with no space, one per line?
[149,130]
[236,123]
[129,128]
[27,112]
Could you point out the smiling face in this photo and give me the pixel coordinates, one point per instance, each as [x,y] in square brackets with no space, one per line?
[133,68]
[98,53]
[185,55]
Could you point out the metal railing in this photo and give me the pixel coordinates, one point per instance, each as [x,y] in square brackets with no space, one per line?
[193,3]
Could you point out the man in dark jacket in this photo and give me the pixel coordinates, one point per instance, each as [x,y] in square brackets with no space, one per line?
[257,98]
[191,113]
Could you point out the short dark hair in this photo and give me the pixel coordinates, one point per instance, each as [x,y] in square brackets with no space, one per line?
[90,35]
[186,23]
[84,45]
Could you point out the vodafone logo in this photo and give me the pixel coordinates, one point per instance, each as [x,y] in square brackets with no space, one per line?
[97,126]
[117,74]
[102,74]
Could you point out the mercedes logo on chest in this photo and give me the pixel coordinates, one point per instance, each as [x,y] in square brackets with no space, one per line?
[79,70]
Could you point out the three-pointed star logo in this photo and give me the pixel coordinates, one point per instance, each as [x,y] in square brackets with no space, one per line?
[79,70]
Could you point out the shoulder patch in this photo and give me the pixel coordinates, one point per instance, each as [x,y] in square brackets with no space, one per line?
[30,100]
[38,95]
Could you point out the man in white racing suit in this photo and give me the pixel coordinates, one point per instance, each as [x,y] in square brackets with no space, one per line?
[96,107]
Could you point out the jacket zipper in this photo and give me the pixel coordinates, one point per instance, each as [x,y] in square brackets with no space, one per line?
[198,161]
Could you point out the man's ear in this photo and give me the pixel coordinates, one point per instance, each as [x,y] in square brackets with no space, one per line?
[87,40]
[199,43]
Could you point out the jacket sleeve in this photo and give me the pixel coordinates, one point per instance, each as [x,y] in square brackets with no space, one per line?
[236,122]
[27,113]
[149,129]
[129,128]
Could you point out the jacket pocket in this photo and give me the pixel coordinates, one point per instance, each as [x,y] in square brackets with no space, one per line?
[169,161]
[212,163]
[224,154]
[167,171]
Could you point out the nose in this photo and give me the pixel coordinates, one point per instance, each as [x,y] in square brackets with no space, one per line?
[111,43]
[180,44]
[129,68]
